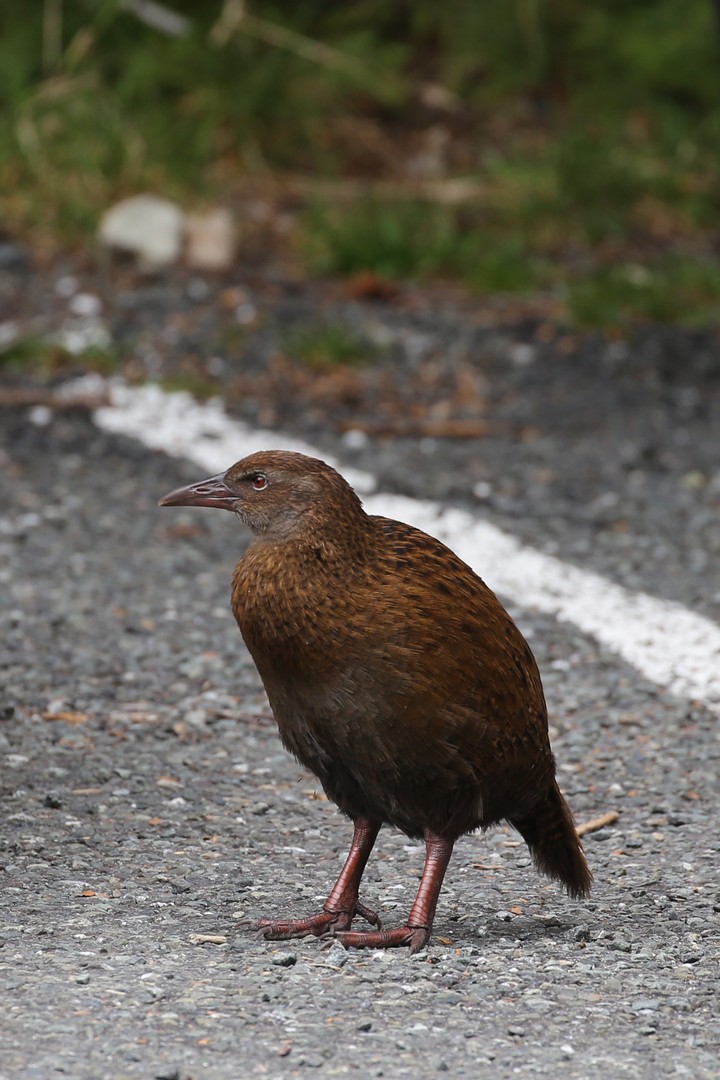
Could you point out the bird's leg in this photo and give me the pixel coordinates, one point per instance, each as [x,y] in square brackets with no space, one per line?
[342,904]
[416,932]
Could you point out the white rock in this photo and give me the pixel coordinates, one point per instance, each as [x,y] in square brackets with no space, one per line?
[522,354]
[40,415]
[66,285]
[210,240]
[146,226]
[85,305]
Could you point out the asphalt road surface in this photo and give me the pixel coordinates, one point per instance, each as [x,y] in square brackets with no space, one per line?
[149,813]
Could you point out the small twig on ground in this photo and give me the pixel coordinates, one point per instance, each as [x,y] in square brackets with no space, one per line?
[454,191]
[22,397]
[597,823]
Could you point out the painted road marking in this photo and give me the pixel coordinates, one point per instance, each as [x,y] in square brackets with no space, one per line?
[667,643]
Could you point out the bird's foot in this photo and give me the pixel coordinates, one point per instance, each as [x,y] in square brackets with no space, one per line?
[412,937]
[368,915]
[281,929]
[326,922]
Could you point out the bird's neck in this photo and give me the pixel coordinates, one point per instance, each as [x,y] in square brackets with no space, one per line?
[283,594]
[295,573]
[347,536]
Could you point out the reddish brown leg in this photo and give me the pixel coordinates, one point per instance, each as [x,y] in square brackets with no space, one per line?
[416,931]
[342,904]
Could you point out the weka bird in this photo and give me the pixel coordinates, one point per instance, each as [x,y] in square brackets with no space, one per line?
[396,676]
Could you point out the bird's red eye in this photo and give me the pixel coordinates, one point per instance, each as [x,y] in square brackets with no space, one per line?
[259,482]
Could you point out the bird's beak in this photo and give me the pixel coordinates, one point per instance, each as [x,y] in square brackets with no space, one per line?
[211,492]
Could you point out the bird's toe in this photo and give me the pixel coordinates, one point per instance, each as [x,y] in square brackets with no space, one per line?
[412,937]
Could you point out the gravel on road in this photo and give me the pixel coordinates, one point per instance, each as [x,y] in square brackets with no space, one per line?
[150,815]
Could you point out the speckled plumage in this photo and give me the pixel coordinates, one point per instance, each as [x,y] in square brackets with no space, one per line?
[393,672]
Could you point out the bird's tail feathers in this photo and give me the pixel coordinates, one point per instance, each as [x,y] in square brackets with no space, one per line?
[554,844]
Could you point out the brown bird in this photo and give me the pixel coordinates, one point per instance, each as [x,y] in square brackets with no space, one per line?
[396,676]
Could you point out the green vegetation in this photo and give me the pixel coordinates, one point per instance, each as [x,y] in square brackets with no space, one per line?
[329,345]
[419,240]
[47,357]
[201,388]
[587,133]
[679,290]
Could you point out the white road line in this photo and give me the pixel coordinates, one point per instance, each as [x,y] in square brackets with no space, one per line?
[666,642]
[199,432]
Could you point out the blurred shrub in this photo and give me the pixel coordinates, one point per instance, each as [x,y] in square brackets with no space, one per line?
[588,121]
[419,240]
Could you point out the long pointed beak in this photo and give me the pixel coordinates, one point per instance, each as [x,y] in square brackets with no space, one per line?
[211,492]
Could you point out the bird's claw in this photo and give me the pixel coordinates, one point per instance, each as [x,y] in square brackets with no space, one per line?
[327,940]
[283,929]
[368,915]
[412,937]
[324,925]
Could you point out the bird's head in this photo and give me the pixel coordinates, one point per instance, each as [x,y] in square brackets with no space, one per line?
[276,493]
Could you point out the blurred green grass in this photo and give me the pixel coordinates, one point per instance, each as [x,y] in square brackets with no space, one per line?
[590,131]
[328,344]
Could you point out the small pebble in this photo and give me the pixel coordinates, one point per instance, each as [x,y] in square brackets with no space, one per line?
[284,959]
